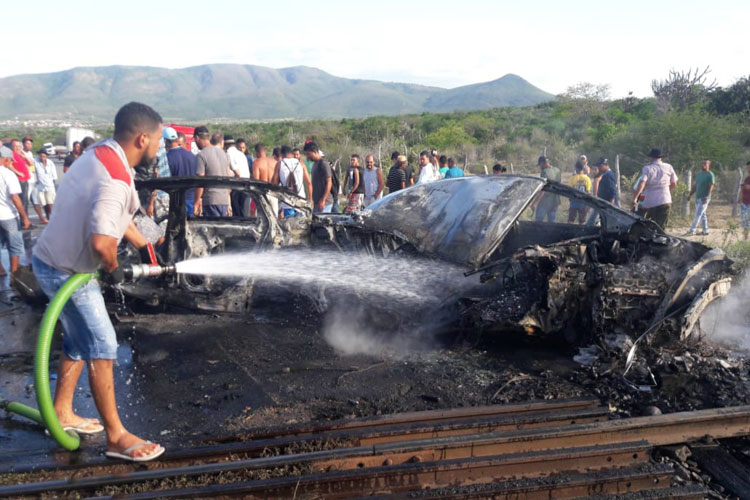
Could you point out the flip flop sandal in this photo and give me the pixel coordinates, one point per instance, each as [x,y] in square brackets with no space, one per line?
[124,455]
[88,426]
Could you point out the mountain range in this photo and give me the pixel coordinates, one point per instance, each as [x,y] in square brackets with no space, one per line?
[242,92]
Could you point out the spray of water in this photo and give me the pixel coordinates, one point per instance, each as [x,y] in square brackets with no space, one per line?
[385,287]
[727,321]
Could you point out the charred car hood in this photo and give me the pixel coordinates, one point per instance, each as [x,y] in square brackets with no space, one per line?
[461,220]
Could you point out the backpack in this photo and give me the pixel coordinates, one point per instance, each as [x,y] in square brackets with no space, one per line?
[291,180]
[335,187]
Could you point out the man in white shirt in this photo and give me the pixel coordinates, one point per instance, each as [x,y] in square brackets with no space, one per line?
[46,175]
[241,169]
[427,171]
[10,207]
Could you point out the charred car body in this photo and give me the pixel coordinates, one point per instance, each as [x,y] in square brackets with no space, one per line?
[618,273]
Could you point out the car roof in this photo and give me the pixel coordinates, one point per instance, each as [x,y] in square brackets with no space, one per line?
[462,220]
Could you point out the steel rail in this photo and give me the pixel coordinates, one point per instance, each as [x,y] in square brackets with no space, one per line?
[427,416]
[359,436]
[657,430]
[622,480]
[672,428]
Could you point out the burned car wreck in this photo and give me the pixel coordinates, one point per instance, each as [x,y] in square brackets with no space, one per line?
[617,273]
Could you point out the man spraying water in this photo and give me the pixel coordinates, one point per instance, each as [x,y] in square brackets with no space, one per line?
[93,211]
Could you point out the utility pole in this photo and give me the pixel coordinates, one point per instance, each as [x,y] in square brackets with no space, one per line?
[737,191]
[686,200]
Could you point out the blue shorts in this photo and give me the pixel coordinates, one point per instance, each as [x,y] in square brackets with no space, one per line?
[87,331]
[11,237]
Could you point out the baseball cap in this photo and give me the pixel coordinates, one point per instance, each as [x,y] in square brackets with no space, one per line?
[542,159]
[655,153]
[228,139]
[169,133]
[601,161]
[27,138]
[5,152]
[200,130]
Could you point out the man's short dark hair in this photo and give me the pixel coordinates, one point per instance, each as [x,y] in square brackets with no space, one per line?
[355,155]
[240,141]
[216,138]
[135,118]
[259,147]
[579,166]
[443,159]
[425,153]
[182,136]
[276,152]
[86,142]
[311,146]
[41,151]
[286,150]
[394,155]
[296,150]
[497,167]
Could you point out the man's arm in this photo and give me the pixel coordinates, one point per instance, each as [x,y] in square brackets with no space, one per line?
[710,190]
[19,206]
[105,247]
[198,201]
[134,236]
[326,192]
[276,177]
[308,182]
[13,169]
[356,181]
[381,183]
[638,191]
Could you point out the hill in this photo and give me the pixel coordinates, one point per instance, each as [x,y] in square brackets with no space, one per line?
[244,92]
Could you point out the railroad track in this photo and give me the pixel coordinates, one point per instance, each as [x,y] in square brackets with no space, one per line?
[549,449]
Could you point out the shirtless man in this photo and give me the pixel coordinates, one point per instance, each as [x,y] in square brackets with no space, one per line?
[263,166]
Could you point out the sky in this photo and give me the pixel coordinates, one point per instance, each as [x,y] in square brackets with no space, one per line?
[552,44]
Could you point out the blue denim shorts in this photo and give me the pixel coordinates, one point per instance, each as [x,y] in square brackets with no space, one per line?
[87,331]
[11,237]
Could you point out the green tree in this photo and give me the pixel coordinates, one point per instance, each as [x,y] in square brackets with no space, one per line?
[450,135]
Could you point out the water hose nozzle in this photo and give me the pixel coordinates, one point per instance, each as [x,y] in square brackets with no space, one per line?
[137,271]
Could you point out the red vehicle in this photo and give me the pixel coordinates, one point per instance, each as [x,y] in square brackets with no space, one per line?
[188,131]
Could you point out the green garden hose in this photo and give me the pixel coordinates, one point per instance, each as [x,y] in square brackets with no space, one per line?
[46,414]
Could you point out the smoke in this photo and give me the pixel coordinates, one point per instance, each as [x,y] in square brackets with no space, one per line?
[353,329]
[727,321]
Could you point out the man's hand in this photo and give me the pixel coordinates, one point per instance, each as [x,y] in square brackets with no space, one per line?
[25,222]
[321,205]
[115,277]
[229,211]
[197,207]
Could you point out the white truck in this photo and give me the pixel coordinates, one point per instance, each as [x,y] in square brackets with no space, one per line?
[77,134]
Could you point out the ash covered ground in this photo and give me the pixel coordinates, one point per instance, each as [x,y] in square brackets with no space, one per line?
[185,378]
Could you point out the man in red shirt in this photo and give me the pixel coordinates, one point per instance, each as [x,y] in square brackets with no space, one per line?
[21,168]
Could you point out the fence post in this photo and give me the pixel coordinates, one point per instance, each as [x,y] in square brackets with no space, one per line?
[511,168]
[685,199]
[617,178]
[737,191]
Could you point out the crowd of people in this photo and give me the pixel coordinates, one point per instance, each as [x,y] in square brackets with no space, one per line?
[307,173]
